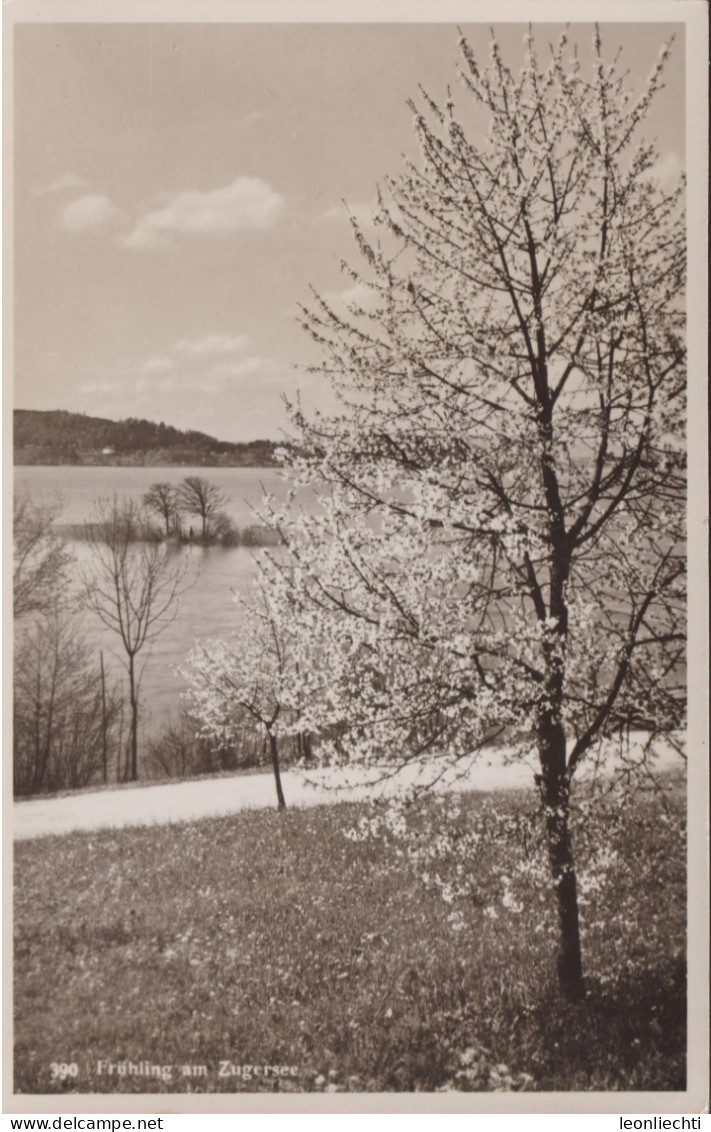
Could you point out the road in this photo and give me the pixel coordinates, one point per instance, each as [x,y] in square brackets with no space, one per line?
[209,797]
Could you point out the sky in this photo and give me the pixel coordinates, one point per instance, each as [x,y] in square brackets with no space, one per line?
[179,188]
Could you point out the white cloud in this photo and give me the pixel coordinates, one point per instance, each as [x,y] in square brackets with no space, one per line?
[65,183]
[89,213]
[211,345]
[357,294]
[247,203]
[223,375]
[201,364]
[101,388]
[198,377]
[233,371]
[238,398]
[158,365]
[362,212]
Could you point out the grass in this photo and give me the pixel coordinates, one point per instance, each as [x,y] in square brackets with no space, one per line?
[271,939]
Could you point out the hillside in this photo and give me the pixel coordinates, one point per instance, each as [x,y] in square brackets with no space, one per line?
[57,437]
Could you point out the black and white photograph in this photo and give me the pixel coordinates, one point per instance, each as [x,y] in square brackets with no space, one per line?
[355,512]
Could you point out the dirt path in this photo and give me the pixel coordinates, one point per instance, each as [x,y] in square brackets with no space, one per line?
[185,801]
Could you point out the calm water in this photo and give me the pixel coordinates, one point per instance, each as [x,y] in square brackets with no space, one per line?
[77,489]
[208,609]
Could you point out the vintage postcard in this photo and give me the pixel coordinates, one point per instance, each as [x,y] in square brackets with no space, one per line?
[355,578]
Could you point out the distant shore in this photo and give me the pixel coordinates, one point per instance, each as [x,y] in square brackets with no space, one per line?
[57,437]
[143,460]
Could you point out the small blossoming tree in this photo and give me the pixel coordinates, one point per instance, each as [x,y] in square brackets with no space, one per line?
[498,546]
[243,677]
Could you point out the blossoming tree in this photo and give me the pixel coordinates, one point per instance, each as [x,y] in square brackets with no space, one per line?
[229,680]
[498,544]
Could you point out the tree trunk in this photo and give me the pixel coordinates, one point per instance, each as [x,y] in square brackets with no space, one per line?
[104,749]
[46,747]
[134,719]
[303,745]
[119,743]
[555,792]
[273,750]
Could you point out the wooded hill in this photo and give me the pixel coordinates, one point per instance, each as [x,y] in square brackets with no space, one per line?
[58,437]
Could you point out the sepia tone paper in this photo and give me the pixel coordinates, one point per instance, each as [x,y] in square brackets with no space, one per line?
[105,221]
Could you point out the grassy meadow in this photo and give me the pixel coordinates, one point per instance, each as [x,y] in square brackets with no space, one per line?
[273,940]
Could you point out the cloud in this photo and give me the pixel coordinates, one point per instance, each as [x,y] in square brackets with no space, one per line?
[247,203]
[102,388]
[357,294]
[231,398]
[89,213]
[158,365]
[362,212]
[211,345]
[208,381]
[235,371]
[65,183]
[189,354]
[203,365]
[211,379]
[212,382]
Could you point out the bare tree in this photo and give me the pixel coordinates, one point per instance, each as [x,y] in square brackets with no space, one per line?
[162,500]
[65,718]
[40,558]
[181,750]
[197,496]
[133,587]
[63,714]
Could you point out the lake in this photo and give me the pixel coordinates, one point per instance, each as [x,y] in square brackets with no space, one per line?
[207,609]
[77,489]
